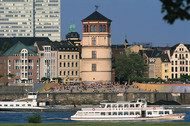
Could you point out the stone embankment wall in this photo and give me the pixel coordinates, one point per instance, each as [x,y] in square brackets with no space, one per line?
[96,98]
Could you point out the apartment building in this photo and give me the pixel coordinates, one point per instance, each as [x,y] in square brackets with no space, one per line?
[20,65]
[47,59]
[180,60]
[30,18]
[68,61]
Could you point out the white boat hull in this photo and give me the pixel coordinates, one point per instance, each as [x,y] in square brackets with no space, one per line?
[122,118]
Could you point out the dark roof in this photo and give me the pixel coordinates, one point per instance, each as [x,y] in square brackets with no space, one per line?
[72,35]
[24,40]
[117,46]
[44,43]
[97,17]
[18,47]
[147,52]
[164,58]
[173,48]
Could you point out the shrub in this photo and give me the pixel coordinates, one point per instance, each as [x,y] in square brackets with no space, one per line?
[35,118]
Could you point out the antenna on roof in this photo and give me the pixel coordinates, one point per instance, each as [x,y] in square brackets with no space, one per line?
[96,6]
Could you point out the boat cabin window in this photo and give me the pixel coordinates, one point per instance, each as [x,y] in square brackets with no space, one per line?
[131,105]
[102,106]
[166,112]
[137,113]
[108,106]
[102,113]
[23,104]
[120,113]
[120,106]
[0,104]
[114,106]
[17,104]
[138,105]
[126,113]
[5,105]
[79,113]
[149,113]
[139,100]
[114,113]
[161,112]
[11,105]
[109,113]
[29,104]
[155,112]
[126,105]
[131,113]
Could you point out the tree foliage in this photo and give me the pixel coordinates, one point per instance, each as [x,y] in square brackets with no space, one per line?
[1,76]
[45,79]
[175,9]
[6,46]
[35,118]
[130,66]
[57,78]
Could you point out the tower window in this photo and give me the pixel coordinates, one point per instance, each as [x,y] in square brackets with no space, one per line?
[100,28]
[93,41]
[104,28]
[93,54]
[93,67]
[84,28]
[91,28]
[95,28]
[87,28]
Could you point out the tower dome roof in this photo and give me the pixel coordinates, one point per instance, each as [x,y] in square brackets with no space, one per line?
[97,17]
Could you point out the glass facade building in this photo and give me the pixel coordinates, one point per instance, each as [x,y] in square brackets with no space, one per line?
[30,18]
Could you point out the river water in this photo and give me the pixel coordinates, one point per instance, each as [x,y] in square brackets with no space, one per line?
[63,117]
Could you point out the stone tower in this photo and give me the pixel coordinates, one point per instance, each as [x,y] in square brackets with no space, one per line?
[96,62]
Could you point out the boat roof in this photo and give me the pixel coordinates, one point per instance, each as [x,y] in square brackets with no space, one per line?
[121,103]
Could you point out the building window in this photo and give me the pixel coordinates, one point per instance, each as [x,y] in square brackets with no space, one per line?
[60,56]
[166,65]
[172,62]
[60,64]
[104,28]
[76,64]
[93,54]
[87,28]
[64,64]
[166,71]
[93,67]
[72,56]
[93,40]
[186,55]
[76,72]
[68,65]
[175,55]
[64,73]
[91,28]
[72,64]
[68,56]
[60,72]
[172,69]
[95,28]
[100,27]
[175,69]
[84,28]
[68,72]
[72,72]
[175,62]
[76,56]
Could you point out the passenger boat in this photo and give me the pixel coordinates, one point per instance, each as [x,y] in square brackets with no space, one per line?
[138,110]
[29,103]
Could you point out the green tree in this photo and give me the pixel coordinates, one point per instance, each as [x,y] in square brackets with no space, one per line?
[1,76]
[57,78]
[129,66]
[35,118]
[45,79]
[175,9]
[6,46]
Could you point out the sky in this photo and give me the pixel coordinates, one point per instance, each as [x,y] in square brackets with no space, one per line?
[139,20]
